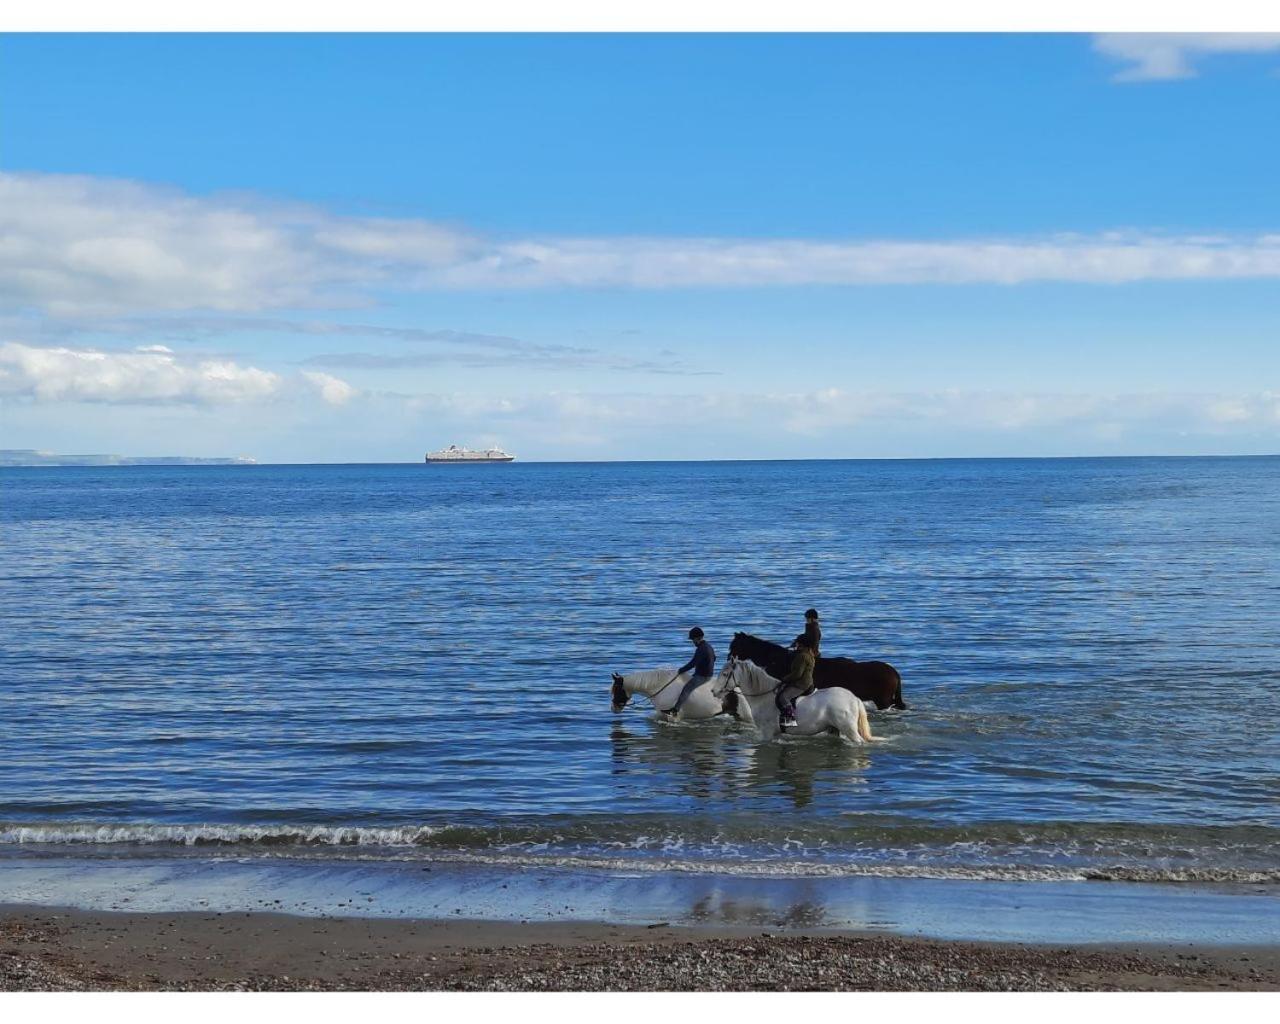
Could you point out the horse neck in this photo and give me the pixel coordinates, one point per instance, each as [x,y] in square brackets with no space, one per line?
[757,680]
[649,682]
[758,648]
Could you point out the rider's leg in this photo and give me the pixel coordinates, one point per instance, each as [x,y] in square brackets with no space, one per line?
[689,687]
[785,699]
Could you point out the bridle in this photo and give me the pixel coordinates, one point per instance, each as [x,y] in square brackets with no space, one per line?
[651,696]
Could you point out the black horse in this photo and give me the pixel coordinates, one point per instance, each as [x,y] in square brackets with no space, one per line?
[868,680]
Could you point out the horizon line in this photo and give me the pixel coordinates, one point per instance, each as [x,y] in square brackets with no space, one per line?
[605,462]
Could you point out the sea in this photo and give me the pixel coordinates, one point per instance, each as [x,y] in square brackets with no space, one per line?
[411,664]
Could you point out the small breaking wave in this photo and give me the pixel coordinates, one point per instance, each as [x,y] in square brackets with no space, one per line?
[883,852]
[1199,875]
[213,835]
[809,869]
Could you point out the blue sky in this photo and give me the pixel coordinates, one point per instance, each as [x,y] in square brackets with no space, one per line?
[357,247]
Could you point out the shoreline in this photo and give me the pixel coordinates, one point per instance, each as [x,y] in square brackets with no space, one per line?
[63,949]
[1029,912]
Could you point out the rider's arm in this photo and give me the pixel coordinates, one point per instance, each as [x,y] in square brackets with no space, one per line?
[685,668]
[796,671]
[704,659]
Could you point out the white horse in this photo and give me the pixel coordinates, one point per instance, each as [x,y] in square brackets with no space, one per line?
[833,710]
[663,686]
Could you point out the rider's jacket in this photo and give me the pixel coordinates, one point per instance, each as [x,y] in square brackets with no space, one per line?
[703,662]
[801,674]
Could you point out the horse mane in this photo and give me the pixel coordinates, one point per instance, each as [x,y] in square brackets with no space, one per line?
[646,681]
[756,674]
[774,650]
[761,641]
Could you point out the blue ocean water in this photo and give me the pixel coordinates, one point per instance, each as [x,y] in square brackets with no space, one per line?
[414,661]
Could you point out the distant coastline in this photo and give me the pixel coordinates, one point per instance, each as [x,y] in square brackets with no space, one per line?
[29,457]
[34,457]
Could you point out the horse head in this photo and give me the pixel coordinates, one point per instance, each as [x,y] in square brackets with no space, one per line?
[619,693]
[726,680]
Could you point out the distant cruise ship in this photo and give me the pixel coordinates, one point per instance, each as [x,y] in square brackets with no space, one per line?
[455,454]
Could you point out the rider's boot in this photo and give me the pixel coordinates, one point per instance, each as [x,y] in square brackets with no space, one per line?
[788,716]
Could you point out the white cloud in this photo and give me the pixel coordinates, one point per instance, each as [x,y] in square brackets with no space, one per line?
[82,246]
[88,248]
[1166,55]
[429,347]
[832,411]
[276,423]
[151,374]
[724,263]
[330,388]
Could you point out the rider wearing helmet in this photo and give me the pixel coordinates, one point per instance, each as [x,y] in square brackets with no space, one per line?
[798,682]
[703,665]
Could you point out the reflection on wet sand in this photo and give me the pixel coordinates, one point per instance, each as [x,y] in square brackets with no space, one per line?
[720,908]
[944,908]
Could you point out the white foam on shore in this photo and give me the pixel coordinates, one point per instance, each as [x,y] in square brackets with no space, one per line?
[808,869]
[960,861]
[213,835]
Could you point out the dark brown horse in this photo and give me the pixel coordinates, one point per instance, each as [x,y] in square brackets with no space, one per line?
[876,681]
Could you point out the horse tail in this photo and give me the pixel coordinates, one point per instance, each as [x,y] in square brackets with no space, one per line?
[897,701]
[864,724]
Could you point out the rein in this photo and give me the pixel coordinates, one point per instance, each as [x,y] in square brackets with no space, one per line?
[654,696]
[662,689]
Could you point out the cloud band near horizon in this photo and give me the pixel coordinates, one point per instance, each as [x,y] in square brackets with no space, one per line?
[151,375]
[154,375]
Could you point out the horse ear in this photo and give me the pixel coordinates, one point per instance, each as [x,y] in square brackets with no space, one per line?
[616,678]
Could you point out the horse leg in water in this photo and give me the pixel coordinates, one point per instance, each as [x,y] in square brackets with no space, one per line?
[898,702]
[854,725]
[847,725]
[889,692]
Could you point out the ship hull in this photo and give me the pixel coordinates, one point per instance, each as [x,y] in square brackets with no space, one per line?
[465,462]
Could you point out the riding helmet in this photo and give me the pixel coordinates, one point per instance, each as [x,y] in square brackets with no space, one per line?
[812,613]
[695,633]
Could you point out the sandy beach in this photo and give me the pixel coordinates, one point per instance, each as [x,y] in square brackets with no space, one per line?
[54,949]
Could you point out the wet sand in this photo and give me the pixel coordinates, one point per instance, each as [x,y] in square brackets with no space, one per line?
[1078,913]
[48,949]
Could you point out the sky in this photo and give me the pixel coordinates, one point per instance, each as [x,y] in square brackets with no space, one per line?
[357,248]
